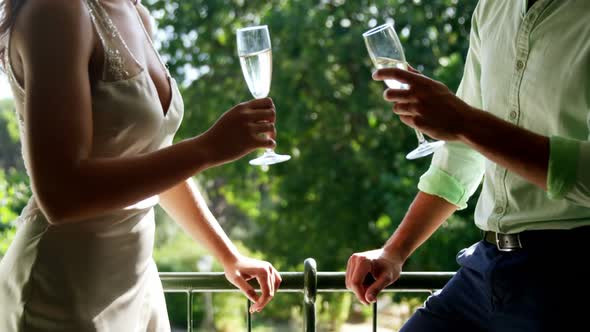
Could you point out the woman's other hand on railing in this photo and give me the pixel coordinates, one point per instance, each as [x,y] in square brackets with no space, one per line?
[361,266]
[239,271]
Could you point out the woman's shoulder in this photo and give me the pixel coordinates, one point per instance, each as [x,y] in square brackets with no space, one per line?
[52,14]
[53,20]
[45,32]
[66,9]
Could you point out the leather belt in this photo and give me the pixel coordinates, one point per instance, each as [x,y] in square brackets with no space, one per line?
[504,242]
[538,238]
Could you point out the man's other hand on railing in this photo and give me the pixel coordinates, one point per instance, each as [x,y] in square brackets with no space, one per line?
[384,269]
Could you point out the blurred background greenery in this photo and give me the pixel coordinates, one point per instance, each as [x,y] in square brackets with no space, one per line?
[348,184]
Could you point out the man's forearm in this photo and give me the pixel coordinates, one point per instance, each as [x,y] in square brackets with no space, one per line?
[516,149]
[424,217]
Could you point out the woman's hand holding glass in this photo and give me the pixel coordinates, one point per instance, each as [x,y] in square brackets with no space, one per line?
[254,49]
[244,128]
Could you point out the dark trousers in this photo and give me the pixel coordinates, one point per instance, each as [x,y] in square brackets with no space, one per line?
[545,289]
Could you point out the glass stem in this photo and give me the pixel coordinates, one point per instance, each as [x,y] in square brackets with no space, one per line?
[421,139]
[268,150]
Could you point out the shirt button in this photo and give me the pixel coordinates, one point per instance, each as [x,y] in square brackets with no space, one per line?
[499,210]
[519,64]
[513,115]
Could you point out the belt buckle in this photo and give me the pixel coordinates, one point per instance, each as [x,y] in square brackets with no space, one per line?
[501,244]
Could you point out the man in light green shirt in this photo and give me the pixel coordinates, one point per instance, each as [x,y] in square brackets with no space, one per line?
[521,122]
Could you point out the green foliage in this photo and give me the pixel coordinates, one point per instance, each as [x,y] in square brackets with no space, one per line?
[333,310]
[14,189]
[8,119]
[14,193]
[348,185]
[10,154]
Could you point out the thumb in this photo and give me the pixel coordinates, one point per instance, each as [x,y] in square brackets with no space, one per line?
[376,288]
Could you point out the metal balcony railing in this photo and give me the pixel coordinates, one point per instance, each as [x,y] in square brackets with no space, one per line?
[309,283]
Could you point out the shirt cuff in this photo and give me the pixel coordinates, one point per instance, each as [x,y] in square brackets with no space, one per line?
[439,183]
[563,162]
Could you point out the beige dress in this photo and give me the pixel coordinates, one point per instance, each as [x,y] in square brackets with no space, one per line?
[96,274]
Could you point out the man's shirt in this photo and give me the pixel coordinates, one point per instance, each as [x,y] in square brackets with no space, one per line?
[530,67]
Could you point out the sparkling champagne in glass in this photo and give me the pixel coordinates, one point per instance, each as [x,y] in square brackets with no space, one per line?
[255,54]
[386,51]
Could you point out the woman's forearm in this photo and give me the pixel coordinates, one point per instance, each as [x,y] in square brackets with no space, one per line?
[93,186]
[185,204]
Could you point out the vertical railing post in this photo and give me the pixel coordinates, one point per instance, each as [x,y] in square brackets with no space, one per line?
[248,316]
[375,316]
[310,288]
[189,311]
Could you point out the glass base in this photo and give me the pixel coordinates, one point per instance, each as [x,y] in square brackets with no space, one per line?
[425,149]
[269,158]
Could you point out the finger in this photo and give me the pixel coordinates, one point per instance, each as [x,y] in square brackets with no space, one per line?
[271,281]
[273,134]
[363,267]
[262,128]
[399,95]
[264,142]
[376,288]
[278,279]
[350,266]
[261,103]
[271,287]
[260,115]
[408,120]
[404,109]
[398,74]
[245,287]
[263,300]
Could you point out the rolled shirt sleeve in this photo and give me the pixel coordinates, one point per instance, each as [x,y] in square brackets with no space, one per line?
[457,170]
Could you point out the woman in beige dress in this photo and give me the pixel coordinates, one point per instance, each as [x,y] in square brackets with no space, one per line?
[98,111]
